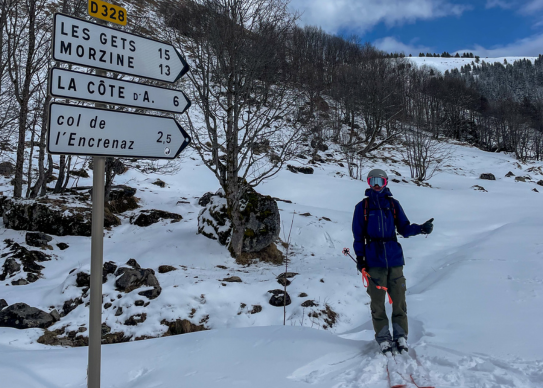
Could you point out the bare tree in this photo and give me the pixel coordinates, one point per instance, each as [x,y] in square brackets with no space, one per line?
[235,47]
[26,41]
[424,154]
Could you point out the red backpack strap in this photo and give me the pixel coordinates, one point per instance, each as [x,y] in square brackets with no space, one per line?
[393,210]
[365,204]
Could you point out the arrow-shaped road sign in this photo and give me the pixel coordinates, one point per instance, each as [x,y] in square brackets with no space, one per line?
[82,86]
[88,44]
[79,130]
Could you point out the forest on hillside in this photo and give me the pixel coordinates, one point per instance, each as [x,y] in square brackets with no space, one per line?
[262,87]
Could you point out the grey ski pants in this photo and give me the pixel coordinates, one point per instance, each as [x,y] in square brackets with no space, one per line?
[393,279]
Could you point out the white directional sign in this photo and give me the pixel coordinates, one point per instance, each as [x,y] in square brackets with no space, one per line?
[81,86]
[79,130]
[88,44]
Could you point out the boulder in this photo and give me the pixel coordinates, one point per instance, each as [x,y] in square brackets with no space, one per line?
[109,268]
[319,145]
[135,319]
[213,221]
[488,176]
[19,282]
[133,263]
[149,217]
[129,279]
[49,216]
[70,305]
[509,174]
[279,298]
[260,218]
[22,316]
[10,268]
[284,282]
[204,199]
[62,246]
[540,183]
[166,269]
[181,326]
[520,179]
[233,279]
[122,199]
[82,279]
[309,303]
[18,255]
[303,170]
[81,173]
[256,309]
[159,183]
[37,239]
[3,304]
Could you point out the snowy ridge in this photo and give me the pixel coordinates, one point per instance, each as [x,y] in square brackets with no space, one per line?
[443,64]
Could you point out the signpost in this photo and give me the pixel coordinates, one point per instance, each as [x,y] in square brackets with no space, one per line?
[82,86]
[78,130]
[108,12]
[97,131]
[88,44]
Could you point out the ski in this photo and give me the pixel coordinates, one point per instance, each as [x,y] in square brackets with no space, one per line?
[414,370]
[395,378]
[421,381]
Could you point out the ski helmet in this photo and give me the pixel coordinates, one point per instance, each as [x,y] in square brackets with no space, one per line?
[377,177]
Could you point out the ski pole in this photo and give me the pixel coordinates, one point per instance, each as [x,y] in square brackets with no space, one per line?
[366,276]
[346,252]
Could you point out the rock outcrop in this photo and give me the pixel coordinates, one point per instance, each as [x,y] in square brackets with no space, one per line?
[129,279]
[60,218]
[260,216]
[22,316]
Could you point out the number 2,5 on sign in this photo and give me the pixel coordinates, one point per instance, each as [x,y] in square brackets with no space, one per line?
[108,12]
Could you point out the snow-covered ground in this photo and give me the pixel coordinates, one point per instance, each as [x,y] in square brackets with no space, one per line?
[475,287]
[443,64]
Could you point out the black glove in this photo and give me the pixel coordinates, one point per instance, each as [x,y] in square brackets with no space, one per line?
[361,263]
[427,227]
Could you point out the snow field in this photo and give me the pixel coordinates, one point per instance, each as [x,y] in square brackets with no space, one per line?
[474,287]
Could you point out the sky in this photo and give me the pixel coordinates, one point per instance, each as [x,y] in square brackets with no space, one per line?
[488,28]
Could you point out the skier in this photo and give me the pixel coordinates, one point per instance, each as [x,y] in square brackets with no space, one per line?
[380,256]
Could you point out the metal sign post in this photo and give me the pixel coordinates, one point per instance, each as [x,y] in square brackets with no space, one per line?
[99,132]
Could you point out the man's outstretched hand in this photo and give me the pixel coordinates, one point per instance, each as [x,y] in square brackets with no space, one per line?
[427,227]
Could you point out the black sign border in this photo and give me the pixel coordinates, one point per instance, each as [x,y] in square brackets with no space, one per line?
[185,69]
[50,90]
[185,143]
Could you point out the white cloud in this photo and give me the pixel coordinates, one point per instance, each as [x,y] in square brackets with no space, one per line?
[532,6]
[499,3]
[531,46]
[392,45]
[361,15]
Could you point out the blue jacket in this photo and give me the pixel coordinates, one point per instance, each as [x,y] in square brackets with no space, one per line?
[382,249]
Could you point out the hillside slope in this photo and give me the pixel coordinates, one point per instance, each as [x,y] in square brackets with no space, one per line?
[475,289]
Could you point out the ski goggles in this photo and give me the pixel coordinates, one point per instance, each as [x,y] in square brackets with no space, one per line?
[381,182]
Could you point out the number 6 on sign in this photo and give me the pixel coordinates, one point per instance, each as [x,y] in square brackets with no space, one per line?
[108,12]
